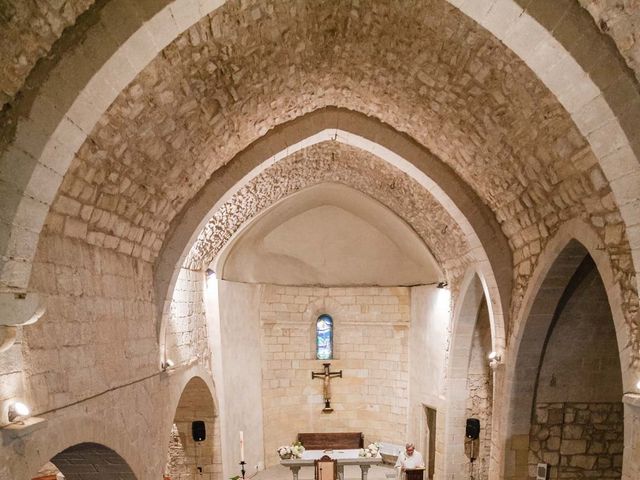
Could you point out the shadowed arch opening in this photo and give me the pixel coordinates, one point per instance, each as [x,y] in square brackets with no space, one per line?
[470,381]
[86,461]
[566,409]
[194,445]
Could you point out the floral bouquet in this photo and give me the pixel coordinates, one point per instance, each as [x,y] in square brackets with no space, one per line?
[294,450]
[372,451]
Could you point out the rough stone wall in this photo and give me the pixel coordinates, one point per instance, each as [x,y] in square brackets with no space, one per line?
[99,329]
[186,456]
[186,332]
[371,328]
[479,111]
[177,463]
[29,29]
[188,459]
[621,21]
[577,440]
[480,388]
[337,162]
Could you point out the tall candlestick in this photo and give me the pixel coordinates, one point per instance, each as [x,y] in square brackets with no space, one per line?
[241,446]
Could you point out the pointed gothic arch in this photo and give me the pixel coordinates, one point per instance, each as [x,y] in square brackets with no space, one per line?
[465,317]
[488,245]
[186,454]
[561,260]
[77,91]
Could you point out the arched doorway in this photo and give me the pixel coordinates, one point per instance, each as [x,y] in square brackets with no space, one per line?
[86,460]
[470,385]
[194,446]
[480,390]
[567,413]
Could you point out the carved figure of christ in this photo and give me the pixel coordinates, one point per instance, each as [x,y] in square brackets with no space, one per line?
[326,376]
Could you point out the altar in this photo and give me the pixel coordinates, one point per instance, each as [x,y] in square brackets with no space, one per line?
[343,457]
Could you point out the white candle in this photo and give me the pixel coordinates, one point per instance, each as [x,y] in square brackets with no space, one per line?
[241,446]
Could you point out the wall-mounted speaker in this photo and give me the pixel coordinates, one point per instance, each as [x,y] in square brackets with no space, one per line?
[473,428]
[198,431]
[542,471]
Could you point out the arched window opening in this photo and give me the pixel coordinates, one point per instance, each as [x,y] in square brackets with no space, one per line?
[324,337]
[194,446]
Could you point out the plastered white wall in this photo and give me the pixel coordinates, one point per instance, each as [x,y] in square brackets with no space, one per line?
[239,372]
[428,345]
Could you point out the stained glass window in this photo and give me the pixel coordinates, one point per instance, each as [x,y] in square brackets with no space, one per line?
[324,337]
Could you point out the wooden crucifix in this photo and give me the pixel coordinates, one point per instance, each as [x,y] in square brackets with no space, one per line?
[326,376]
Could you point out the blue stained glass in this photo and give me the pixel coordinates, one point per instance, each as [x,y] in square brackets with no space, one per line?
[324,337]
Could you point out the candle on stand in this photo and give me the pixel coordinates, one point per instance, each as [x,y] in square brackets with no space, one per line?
[241,446]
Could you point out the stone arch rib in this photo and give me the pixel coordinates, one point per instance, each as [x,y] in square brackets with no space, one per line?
[70,100]
[562,257]
[488,244]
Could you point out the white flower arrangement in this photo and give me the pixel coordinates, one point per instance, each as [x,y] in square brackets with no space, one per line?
[372,451]
[294,450]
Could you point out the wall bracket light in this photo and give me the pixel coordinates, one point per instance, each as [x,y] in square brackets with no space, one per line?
[495,359]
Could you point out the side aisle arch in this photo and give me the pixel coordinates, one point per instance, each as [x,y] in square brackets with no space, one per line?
[564,254]
[473,293]
[193,435]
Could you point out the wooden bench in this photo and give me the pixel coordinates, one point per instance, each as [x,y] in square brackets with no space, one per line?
[331,440]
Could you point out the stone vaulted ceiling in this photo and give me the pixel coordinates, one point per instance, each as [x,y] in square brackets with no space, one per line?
[427,70]
[338,163]
[422,67]
[31,28]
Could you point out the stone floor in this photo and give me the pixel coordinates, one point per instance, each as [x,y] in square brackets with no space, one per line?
[352,472]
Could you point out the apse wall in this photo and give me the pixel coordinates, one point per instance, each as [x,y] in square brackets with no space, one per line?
[371,341]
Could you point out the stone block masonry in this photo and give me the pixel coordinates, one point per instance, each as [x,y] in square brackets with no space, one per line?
[480,389]
[577,440]
[370,347]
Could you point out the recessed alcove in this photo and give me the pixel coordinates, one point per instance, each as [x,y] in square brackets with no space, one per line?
[329,235]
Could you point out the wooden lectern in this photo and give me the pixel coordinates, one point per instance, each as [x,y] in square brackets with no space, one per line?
[414,473]
[326,468]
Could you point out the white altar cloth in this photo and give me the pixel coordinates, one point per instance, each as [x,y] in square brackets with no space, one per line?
[344,457]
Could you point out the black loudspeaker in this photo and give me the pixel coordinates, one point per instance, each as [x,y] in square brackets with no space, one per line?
[473,428]
[198,431]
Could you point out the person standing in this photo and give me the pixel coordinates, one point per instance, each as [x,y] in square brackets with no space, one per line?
[410,458]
